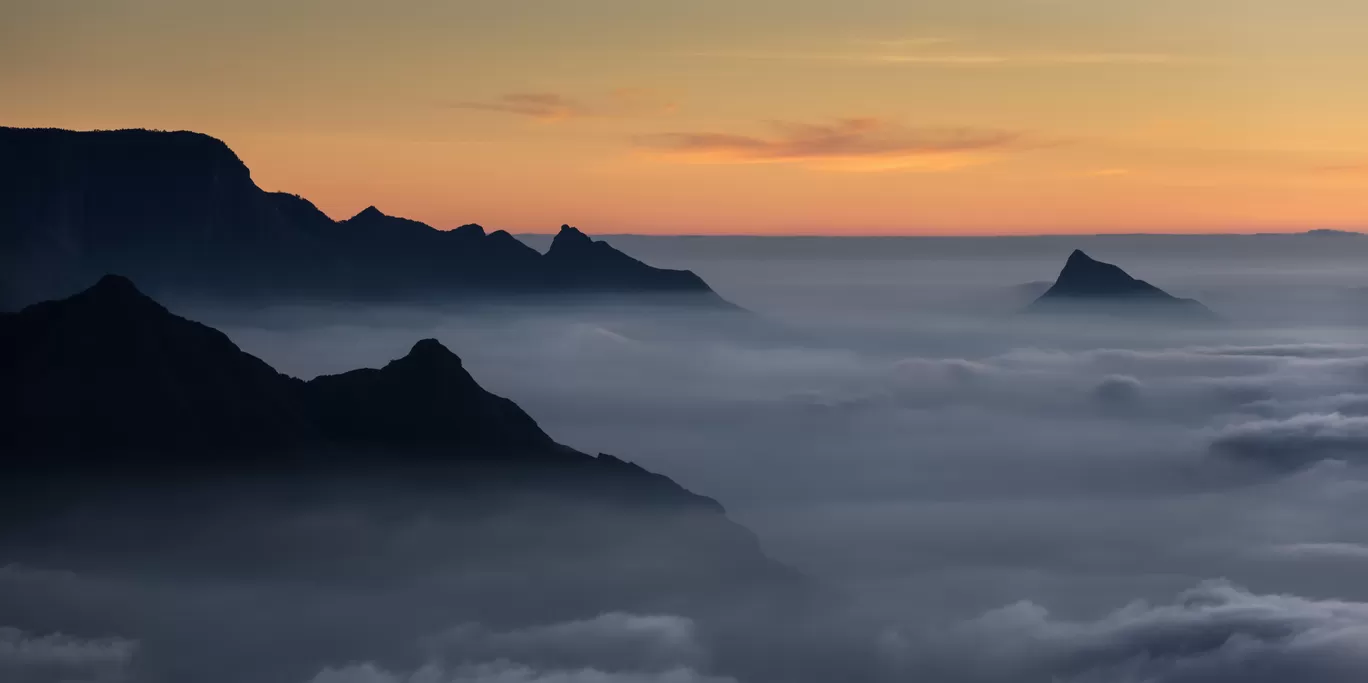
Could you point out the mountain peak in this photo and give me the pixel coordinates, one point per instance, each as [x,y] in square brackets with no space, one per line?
[112,366]
[431,349]
[369,213]
[116,293]
[1084,276]
[1079,257]
[570,237]
[115,285]
[1085,279]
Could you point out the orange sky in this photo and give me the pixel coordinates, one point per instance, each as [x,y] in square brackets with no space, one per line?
[739,116]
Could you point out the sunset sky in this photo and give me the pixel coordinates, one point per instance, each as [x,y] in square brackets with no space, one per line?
[740,116]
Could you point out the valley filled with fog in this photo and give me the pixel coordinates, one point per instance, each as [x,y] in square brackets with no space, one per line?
[996,492]
[988,496]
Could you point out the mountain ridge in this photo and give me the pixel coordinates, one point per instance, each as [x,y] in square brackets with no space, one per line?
[179,213]
[134,439]
[110,369]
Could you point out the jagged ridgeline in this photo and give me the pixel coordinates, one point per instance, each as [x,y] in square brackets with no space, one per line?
[122,418]
[178,212]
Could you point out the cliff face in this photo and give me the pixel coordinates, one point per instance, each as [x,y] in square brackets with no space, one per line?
[179,213]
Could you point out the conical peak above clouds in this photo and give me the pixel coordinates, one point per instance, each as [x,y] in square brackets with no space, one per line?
[1101,287]
[1084,276]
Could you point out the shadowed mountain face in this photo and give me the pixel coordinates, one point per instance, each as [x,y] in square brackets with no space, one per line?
[179,213]
[109,370]
[423,399]
[1089,285]
[400,501]
[110,395]
[589,264]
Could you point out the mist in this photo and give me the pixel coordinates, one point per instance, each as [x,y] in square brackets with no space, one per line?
[982,495]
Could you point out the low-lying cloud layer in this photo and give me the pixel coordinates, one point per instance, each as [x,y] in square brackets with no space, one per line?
[991,499]
[32,658]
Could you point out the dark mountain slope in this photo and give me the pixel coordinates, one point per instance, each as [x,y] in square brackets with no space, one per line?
[110,369]
[350,516]
[110,378]
[425,399]
[177,207]
[578,262]
[180,214]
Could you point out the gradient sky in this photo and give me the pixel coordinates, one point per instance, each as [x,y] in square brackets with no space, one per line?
[740,116]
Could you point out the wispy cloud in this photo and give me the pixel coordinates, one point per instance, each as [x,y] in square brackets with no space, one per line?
[851,144]
[545,106]
[940,51]
[903,43]
[548,106]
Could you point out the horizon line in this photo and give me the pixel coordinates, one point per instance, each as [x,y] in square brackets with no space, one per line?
[1303,233]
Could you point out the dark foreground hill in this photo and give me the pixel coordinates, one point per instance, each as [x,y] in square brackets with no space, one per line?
[178,212]
[1086,285]
[148,449]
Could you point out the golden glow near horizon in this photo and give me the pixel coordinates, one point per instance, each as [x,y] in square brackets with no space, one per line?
[736,116]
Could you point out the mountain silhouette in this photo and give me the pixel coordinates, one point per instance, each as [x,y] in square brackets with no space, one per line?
[425,398]
[111,369]
[580,262]
[135,440]
[179,212]
[1088,285]
[110,379]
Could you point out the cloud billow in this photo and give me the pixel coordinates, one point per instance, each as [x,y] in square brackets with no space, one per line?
[26,657]
[1296,441]
[1214,633]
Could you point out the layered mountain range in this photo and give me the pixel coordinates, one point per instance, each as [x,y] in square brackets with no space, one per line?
[179,213]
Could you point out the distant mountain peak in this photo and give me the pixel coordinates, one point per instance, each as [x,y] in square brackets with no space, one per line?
[1080,256]
[369,213]
[569,237]
[116,293]
[1084,278]
[115,285]
[431,350]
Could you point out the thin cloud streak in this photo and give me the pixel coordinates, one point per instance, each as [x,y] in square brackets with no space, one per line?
[548,106]
[963,59]
[542,106]
[851,144]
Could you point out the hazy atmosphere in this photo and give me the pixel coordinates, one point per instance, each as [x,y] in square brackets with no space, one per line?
[987,341]
[1002,499]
